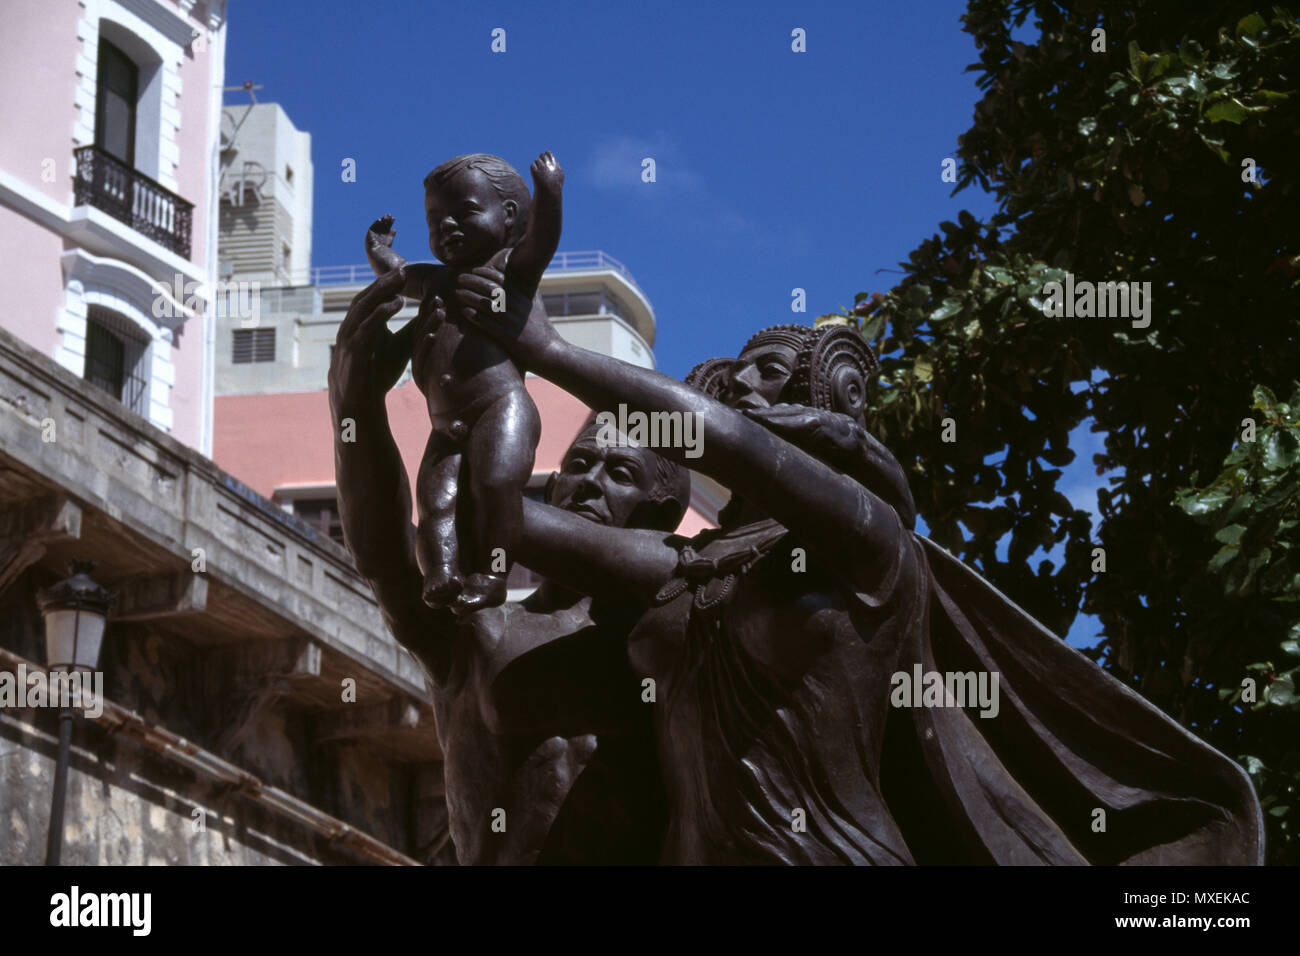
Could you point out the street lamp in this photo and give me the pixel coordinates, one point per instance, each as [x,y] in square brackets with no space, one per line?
[75,611]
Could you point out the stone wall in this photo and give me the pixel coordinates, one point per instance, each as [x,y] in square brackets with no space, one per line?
[266,660]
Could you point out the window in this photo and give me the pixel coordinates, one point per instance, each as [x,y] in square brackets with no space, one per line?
[115,359]
[615,305]
[252,345]
[572,303]
[115,105]
[288,174]
[285,253]
[584,303]
[322,514]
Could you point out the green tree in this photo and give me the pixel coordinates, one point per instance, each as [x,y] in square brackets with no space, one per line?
[1169,157]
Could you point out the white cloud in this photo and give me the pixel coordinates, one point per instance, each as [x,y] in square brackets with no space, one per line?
[617,165]
[679,194]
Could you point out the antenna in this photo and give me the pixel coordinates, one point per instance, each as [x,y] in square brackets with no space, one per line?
[228,141]
[248,85]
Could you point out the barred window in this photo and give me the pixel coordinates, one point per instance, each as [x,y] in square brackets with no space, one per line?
[253,345]
[116,356]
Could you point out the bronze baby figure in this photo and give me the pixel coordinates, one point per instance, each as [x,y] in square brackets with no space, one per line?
[485,425]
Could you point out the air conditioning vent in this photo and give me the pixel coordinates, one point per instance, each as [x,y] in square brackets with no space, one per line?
[252,345]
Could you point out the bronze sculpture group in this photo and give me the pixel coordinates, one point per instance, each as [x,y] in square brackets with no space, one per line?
[723,699]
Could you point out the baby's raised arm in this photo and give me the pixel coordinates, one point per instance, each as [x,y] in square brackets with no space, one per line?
[421,277]
[533,254]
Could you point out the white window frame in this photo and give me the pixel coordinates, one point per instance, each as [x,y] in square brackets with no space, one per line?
[155,40]
[137,300]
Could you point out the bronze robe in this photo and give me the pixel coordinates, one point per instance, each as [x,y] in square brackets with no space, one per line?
[769,763]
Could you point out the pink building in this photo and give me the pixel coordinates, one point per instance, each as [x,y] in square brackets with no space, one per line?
[108,194]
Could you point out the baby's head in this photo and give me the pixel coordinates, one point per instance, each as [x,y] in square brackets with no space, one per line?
[475,206]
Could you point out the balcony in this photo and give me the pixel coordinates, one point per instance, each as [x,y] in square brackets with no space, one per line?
[133,198]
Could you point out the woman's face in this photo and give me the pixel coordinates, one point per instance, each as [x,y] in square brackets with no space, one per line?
[760,376]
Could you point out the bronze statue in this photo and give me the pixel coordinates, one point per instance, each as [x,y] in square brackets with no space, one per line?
[485,426]
[774,640]
[549,750]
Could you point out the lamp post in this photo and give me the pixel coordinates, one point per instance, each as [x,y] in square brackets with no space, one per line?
[75,611]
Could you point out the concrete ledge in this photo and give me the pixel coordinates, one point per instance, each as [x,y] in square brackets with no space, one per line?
[60,435]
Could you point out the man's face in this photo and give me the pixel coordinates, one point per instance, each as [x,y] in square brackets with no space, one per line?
[468,221]
[604,485]
[759,376]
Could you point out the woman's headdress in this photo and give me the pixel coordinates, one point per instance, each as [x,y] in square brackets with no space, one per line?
[832,365]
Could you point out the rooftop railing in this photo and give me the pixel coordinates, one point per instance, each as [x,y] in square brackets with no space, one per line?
[579,261]
[560,262]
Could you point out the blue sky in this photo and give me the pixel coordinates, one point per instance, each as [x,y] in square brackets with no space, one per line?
[775,170]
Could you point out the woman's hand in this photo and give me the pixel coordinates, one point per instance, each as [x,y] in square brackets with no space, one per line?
[843,443]
[506,313]
[830,436]
[368,359]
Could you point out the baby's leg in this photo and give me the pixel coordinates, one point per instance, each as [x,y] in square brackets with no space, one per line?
[436,547]
[501,449]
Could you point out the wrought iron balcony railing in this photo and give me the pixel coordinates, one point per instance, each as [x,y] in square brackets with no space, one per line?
[126,194]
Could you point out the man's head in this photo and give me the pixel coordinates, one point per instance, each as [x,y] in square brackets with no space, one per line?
[475,206]
[622,486]
[825,367]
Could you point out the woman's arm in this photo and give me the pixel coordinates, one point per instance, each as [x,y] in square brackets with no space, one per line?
[830,512]
[841,441]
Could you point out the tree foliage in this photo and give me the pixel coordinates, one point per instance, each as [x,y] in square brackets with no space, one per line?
[1170,158]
